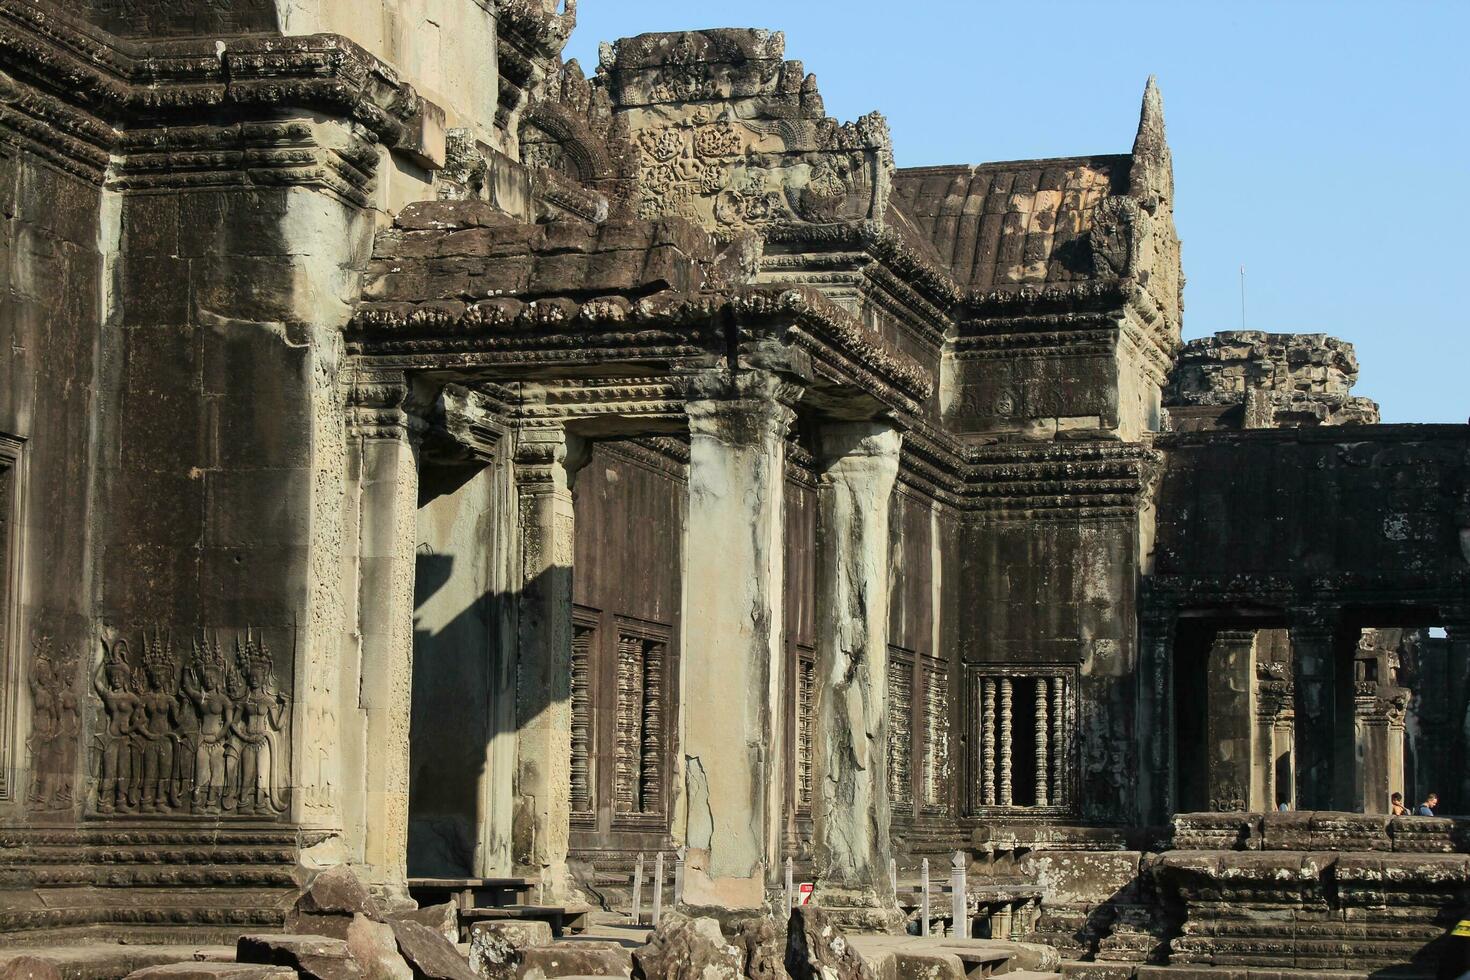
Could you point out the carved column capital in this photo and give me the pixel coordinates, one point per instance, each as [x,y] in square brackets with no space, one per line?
[846,449]
[378,407]
[547,458]
[741,408]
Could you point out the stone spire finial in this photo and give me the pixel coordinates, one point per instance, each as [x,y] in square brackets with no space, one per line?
[1152,177]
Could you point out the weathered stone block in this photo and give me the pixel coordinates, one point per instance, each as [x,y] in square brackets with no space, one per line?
[575,959]
[206,971]
[443,919]
[375,948]
[519,933]
[684,948]
[816,949]
[431,956]
[314,957]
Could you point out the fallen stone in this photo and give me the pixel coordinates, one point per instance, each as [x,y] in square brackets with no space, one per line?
[817,950]
[213,971]
[332,926]
[765,948]
[337,891]
[315,957]
[29,968]
[682,948]
[431,956]
[576,959]
[443,919]
[375,948]
[520,933]
[492,955]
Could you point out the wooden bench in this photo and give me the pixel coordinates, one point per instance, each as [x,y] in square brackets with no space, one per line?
[469,893]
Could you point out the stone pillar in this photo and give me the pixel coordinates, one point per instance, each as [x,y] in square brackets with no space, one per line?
[546,460]
[1272,737]
[1155,725]
[1325,750]
[1380,728]
[1457,730]
[850,806]
[731,671]
[387,448]
[1231,716]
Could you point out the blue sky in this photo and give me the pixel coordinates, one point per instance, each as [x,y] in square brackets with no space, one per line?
[1323,145]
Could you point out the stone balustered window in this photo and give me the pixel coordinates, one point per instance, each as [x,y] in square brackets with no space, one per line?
[900,730]
[806,704]
[934,764]
[584,642]
[10,653]
[639,756]
[1022,722]
[918,732]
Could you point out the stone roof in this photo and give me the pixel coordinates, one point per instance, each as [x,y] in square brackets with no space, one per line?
[1000,225]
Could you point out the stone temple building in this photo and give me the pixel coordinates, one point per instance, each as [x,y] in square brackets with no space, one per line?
[420,455]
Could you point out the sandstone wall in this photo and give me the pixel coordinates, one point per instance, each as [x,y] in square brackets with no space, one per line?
[55,245]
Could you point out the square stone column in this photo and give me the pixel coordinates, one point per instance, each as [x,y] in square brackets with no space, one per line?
[1154,727]
[731,671]
[1231,718]
[387,448]
[1456,795]
[546,460]
[850,807]
[1326,752]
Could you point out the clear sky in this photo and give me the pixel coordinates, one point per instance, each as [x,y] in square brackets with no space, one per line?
[1323,145]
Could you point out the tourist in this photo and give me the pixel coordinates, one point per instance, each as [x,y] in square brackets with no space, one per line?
[1396,805]
[1426,809]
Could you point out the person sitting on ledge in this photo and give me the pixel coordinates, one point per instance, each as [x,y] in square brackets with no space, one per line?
[1396,805]
[1426,809]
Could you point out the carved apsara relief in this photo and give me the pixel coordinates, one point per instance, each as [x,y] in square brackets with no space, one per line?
[202,735]
[55,726]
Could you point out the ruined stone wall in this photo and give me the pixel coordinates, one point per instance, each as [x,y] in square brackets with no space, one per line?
[1255,380]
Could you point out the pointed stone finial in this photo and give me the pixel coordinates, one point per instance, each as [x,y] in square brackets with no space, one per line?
[1150,120]
[1152,176]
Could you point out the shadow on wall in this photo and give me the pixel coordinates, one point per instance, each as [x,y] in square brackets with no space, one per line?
[464,700]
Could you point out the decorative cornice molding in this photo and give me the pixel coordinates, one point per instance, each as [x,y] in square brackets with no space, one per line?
[83,97]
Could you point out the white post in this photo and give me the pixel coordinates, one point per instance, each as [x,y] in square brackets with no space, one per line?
[678,877]
[893,875]
[924,898]
[958,907]
[658,887]
[638,890]
[790,887]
